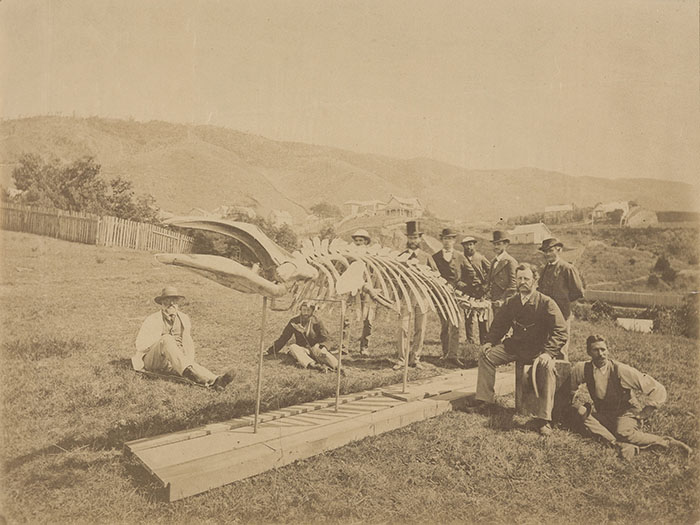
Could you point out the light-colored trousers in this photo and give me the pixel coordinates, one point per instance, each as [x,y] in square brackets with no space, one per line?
[449,337]
[420,320]
[306,356]
[624,429]
[166,356]
[490,358]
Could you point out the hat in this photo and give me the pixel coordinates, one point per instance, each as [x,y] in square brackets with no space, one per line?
[307,302]
[413,228]
[550,243]
[468,239]
[448,232]
[500,236]
[168,291]
[363,234]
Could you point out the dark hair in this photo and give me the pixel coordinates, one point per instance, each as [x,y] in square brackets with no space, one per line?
[595,338]
[528,266]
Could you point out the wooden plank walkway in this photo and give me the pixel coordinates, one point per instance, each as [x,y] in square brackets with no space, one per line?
[194,461]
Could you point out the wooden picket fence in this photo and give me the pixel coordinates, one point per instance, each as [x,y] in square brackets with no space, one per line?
[92,229]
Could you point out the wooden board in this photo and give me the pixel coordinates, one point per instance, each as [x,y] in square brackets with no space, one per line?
[197,460]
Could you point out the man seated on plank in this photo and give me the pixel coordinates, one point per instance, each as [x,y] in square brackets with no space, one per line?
[164,344]
[309,334]
[617,408]
[539,333]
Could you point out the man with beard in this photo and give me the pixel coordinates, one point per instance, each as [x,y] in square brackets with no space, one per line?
[539,332]
[560,281]
[413,255]
[616,411]
[475,325]
[164,344]
[367,304]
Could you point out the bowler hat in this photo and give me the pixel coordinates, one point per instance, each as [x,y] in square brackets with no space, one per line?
[307,302]
[168,291]
[550,243]
[413,228]
[363,234]
[468,239]
[500,236]
[448,232]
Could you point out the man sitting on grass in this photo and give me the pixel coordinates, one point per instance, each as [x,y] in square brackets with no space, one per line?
[164,344]
[309,334]
[616,411]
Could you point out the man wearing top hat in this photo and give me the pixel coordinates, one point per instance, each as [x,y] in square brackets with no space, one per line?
[454,269]
[164,344]
[559,280]
[502,274]
[413,255]
[477,287]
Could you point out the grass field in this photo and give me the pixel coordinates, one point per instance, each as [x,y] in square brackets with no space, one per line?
[69,316]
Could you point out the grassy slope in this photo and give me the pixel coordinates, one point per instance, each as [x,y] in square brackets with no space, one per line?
[69,316]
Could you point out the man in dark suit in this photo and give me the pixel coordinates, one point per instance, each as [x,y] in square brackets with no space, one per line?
[560,280]
[475,325]
[502,274]
[414,255]
[539,333]
[454,269]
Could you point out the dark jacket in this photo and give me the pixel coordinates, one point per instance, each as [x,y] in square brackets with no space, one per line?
[561,282]
[502,278]
[480,268]
[456,272]
[538,327]
[317,333]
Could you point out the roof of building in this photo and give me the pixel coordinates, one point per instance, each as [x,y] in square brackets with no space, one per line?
[527,228]
[410,201]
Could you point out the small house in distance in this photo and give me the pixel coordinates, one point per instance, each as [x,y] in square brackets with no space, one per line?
[639,217]
[530,233]
[369,208]
[404,207]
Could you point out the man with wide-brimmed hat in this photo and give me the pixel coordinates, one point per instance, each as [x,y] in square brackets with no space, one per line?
[367,306]
[308,349]
[412,351]
[560,280]
[454,269]
[501,281]
[475,323]
[164,343]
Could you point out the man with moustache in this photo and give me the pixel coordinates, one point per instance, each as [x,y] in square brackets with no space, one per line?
[367,305]
[413,255]
[454,269]
[560,280]
[164,344]
[501,281]
[475,327]
[615,414]
[539,333]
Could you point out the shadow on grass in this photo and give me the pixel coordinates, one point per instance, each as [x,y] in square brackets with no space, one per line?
[368,363]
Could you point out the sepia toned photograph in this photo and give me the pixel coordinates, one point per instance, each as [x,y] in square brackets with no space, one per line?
[349,261]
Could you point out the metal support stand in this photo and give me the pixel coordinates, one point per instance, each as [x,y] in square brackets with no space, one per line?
[407,352]
[340,351]
[260,363]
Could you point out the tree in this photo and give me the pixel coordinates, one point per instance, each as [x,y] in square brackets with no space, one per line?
[326,210]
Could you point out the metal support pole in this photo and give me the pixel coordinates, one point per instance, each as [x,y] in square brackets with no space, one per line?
[407,350]
[340,351]
[260,363]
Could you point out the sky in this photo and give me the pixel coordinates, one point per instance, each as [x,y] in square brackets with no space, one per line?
[605,88]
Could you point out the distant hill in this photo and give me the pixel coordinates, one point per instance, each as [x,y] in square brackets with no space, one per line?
[186,166]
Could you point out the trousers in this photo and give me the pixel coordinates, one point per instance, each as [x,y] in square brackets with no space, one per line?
[624,428]
[306,356]
[166,356]
[494,356]
[416,343]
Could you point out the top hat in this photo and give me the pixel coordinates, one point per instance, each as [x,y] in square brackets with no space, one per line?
[468,239]
[550,243]
[500,236]
[447,232]
[362,234]
[168,291]
[413,228]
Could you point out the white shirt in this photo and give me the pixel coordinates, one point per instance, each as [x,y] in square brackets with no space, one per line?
[500,255]
[447,255]
[525,298]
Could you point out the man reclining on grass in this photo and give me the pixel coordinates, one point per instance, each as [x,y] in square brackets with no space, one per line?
[309,334]
[164,344]
[616,411]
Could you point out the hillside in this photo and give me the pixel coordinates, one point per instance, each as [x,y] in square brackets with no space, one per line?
[186,166]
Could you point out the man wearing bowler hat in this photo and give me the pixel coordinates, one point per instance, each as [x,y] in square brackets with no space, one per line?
[164,344]
[454,269]
[477,287]
[413,255]
[559,280]
[502,275]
